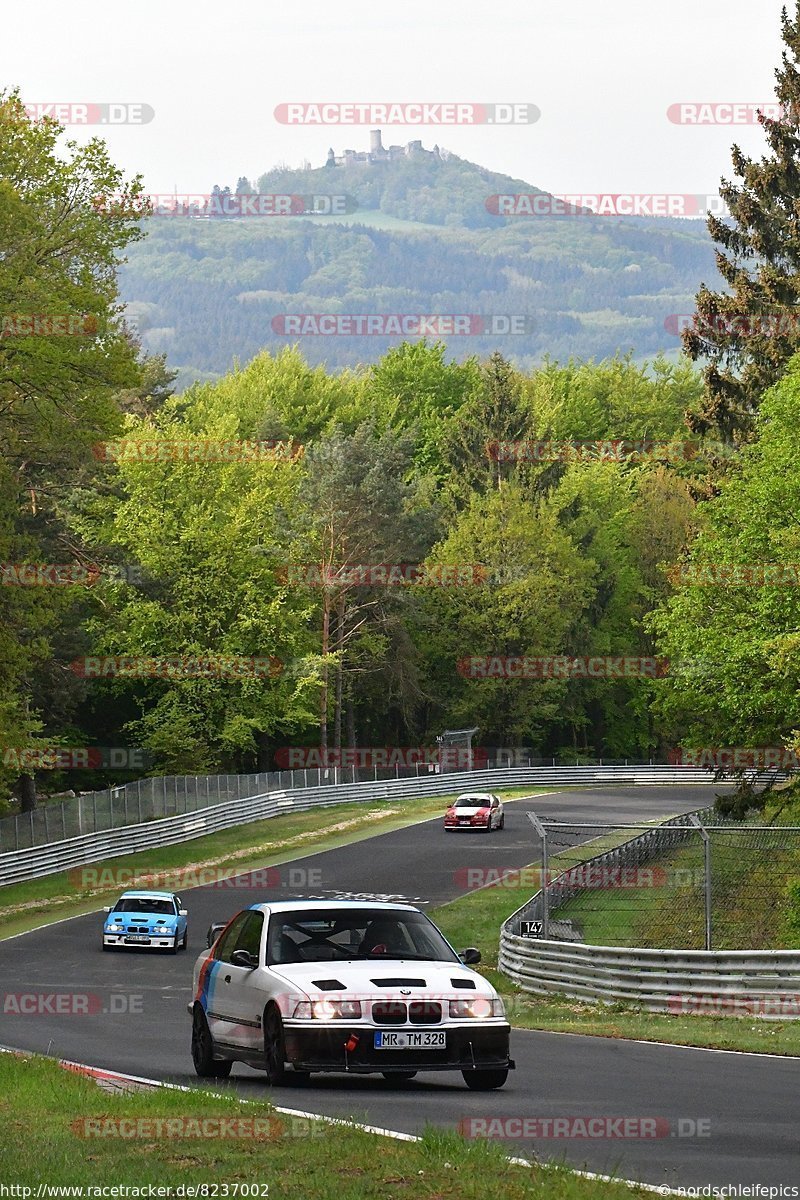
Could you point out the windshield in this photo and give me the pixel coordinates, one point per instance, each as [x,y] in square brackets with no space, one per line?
[339,935]
[144,904]
[472,802]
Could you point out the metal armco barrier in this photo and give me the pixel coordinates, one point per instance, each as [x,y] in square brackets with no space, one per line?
[37,861]
[715,982]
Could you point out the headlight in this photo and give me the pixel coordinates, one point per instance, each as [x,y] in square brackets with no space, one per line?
[328,1010]
[113,928]
[480,1007]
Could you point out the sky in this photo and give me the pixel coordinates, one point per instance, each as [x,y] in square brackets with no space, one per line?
[602,74]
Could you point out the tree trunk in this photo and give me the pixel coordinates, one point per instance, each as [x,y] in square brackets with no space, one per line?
[337,722]
[323,696]
[351,721]
[27,793]
[262,752]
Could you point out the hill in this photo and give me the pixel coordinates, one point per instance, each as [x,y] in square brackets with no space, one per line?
[211,291]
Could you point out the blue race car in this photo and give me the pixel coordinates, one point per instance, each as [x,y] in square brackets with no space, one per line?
[154,920]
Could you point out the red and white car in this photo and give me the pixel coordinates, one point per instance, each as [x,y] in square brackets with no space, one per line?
[475,810]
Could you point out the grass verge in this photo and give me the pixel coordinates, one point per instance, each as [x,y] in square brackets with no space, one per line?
[46,1114]
[37,902]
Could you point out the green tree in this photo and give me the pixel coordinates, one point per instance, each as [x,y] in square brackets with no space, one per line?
[58,257]
[749,332]
[735,649]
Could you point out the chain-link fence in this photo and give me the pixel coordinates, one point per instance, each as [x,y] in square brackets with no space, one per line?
[693,883]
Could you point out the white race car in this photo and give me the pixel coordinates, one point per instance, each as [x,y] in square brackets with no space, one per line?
[350,986]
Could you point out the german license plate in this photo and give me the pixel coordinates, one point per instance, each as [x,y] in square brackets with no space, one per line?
[390,1040]
[137,937]
[464,820]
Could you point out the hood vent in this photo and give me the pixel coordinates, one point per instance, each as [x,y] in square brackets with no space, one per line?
[328,985]
[397,981]
[463,983]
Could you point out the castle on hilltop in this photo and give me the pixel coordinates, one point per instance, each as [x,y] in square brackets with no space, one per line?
[378,153]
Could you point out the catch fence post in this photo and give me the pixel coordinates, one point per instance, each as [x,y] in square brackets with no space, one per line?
[542,832]
[695,820]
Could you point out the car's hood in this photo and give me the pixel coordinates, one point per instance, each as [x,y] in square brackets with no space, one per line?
[385,977]
[126,918]
[464,811]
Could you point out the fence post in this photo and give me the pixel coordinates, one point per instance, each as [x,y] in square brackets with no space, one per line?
[139,799]
[64,821]
[94,812]
[46,825]
[695,820]
[30,814]
[542,832]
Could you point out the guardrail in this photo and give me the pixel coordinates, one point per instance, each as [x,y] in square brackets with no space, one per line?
[712,981]
[38,861]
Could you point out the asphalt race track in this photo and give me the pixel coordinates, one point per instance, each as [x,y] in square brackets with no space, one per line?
[137,1020]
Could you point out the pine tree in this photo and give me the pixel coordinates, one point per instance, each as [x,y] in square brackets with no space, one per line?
[747,336]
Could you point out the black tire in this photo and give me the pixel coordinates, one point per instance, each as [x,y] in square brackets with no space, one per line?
[398,1076]
[107,948]
[485,1081]
[489,825]
[175,947]
[205,1065]
[503,821]
[274,1048]
[185,942]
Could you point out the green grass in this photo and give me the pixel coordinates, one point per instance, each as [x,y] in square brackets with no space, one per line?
[45,1113]
[37,902]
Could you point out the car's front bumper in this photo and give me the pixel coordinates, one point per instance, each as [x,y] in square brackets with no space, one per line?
[154,941]
[482,826]
[467,1048]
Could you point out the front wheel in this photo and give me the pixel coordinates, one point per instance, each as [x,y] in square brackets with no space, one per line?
[205,1065]
[185,942]
[274,1048]
[485,1081]
[503,821]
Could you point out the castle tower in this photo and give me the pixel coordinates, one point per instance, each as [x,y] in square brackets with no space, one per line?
[375,143]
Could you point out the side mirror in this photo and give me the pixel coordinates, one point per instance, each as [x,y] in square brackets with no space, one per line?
[243,958]
[106,909]
[470,955]
[213,932]
[183,912]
